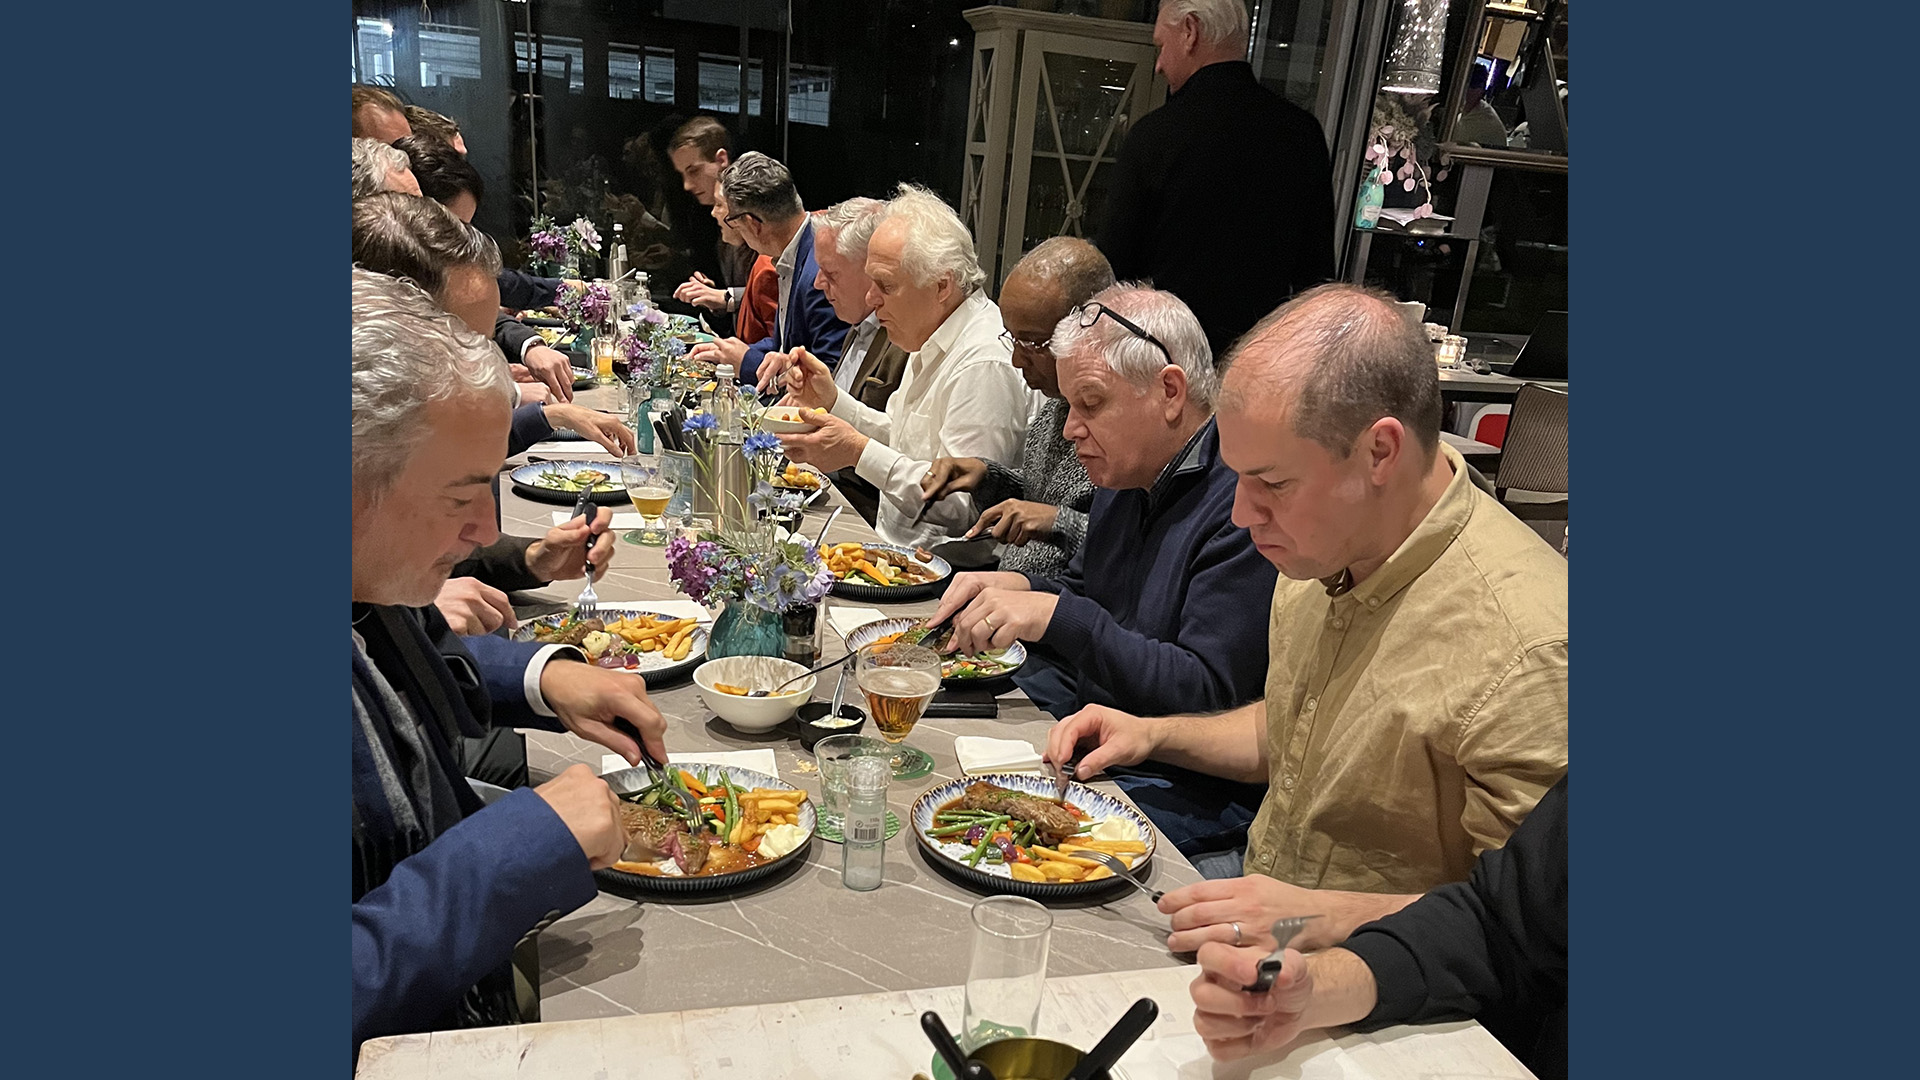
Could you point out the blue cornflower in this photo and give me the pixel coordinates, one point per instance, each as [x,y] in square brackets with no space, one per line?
[761,443]
[699,422]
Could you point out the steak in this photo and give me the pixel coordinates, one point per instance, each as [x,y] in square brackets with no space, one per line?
[1052,822]
[653,835]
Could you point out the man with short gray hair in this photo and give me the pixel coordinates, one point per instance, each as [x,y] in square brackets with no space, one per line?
[758,200]
[1416,684]
[1153,607]
[960,396]
[1224,195]
[379,167]
[443,888]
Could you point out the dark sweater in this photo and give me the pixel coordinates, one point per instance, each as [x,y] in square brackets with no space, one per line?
[1493,947]
[1232,249]
[1164,607]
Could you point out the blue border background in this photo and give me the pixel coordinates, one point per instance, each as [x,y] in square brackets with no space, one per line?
[1745,400]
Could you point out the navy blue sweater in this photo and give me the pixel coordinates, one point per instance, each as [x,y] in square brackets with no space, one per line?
[1164,607]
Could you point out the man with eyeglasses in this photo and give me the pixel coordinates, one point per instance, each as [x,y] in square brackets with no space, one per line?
[1162,603]
[764,207]
[1037,505]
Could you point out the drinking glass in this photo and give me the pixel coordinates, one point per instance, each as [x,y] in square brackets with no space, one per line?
[834,755]
[1008,970]
[604,348]
[650,488]
[899,680]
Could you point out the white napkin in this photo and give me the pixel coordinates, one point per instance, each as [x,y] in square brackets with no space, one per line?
[760,761]
[568,448]
[629,520]
[979,754]
[846,620]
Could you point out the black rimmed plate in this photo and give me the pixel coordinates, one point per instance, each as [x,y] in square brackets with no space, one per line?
[528,481]
[812,494]
[950,857]
[1013,655]
[657,670]
[855,590]
[636,779]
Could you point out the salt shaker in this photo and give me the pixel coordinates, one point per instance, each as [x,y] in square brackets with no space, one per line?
[864,852]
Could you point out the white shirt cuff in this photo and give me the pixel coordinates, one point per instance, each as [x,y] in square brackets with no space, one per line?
[733,297]
[528,344]
[530,683]
[876,463]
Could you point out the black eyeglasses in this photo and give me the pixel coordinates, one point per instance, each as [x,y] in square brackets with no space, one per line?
[731,218]
[1090,313]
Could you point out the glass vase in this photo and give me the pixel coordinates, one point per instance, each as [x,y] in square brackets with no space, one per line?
[741,629]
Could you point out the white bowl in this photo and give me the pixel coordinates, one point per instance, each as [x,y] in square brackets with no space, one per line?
[785,420]
[755,673]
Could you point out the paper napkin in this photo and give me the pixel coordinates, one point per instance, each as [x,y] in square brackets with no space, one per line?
[979,754]
[846,620]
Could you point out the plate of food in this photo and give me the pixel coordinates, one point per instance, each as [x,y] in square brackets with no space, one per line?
[563,481]
[539,318]
[1007,832]
[583,378]
[752,824]
[956,672]
[659,647]
[804,479]
[788,419]
[884,572]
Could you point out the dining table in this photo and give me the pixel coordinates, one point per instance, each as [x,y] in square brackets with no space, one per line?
[799,945]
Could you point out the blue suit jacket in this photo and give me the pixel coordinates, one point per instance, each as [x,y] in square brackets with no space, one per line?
[810,319]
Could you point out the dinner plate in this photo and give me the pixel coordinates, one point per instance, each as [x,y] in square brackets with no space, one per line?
[855,590]
[635,779]
[583,378]
[949,856]
[813,495]
[658,670]
[526,482]
[862,636]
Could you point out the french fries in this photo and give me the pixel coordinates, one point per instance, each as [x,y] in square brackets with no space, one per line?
[1023,872]
[672,638]
[763,808]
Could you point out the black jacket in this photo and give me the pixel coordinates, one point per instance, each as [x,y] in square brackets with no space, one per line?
[1493,947]
[1224,197]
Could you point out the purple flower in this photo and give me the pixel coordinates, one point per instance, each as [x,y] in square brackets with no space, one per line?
[653,316]
[690,566]
[595,305]
[584,232]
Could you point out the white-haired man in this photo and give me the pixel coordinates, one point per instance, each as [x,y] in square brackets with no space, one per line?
[960,396]
[1416,693]
[1152,608]
[1224,195]
[443,888]
[378,167]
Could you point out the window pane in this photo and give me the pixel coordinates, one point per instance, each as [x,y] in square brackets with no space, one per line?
[448,53]
[626,78]
[560,58]
[809,94]
[720,84]
[660,76]
[623,70]
[373,51]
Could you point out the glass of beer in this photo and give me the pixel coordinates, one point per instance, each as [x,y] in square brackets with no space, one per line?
[899,680]
[650,487]
[605,346]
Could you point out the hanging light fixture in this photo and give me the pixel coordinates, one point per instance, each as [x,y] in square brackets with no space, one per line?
[1419,43]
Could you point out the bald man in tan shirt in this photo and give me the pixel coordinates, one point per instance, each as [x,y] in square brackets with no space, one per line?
[1416,704]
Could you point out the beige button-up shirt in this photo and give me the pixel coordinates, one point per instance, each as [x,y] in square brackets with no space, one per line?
[1414,721]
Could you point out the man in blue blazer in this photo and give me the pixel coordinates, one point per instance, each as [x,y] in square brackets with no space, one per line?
[443,888]
[757,198]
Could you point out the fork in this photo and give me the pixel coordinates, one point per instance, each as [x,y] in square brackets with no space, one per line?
[588,605]
[1284,931]
[1120,870]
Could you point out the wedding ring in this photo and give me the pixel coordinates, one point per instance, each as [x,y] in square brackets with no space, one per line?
[987,622]
[1236,935]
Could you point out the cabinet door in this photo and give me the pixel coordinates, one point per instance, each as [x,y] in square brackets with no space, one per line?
[1077,98]
[989,121]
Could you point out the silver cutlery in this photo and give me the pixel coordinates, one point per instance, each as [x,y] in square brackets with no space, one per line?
[1119,869]
[1284,931]
[587,606]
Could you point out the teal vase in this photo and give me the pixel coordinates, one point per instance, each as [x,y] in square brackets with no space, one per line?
[742,629]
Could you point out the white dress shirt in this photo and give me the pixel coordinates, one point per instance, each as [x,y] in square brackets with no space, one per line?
[783,268]
[960,396]
[855,353]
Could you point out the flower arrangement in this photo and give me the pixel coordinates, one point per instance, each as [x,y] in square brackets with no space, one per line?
[651,346]
[548,241]
[582,238]
[761,448]
[585,306]
[1397,135]
[766,567]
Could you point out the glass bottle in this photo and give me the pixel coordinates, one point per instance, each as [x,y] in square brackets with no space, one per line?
[863,855]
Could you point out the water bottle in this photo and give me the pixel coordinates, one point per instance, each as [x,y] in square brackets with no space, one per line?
[640,411]
[864,853]
[1373,194]
[617,255]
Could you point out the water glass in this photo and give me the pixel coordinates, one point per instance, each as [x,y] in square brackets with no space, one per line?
[1008,970]
[835,754]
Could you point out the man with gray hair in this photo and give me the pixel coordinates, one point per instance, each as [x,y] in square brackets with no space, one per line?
[443,888]
[1224,195]
[1416,684]
[1037,505]
[960,396]
[758,199]
[1153,607]
[379,167]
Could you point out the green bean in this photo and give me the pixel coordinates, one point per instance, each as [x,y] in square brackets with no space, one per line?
[950,829]
[985,842]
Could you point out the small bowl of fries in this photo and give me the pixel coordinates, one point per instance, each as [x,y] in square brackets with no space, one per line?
[726,683]
[788,419]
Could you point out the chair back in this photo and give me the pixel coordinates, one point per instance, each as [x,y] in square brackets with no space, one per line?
[1534,455]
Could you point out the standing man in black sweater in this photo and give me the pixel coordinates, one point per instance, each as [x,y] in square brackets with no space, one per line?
[1233,249]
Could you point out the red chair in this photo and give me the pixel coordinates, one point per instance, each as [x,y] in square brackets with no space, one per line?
[1489,424]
